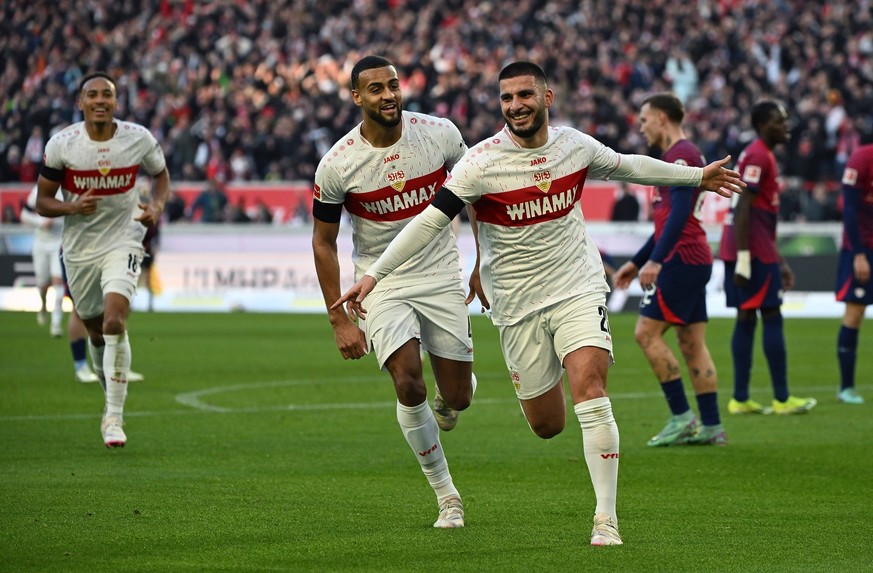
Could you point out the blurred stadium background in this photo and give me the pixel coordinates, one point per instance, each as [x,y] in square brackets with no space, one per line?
[247,96]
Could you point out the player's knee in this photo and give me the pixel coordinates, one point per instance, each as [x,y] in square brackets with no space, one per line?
[113,324]
[409,390]
[546,429]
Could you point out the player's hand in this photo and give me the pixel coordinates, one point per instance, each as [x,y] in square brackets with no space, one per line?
[719,179]
[151,214]
[861,267]
[476,290]
[350,340]
[87,203]
[355,296]
[624,275]
[649,274]
[787,277]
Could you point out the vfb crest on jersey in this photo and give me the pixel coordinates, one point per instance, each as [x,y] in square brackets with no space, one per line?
[397,180]
[543,180]
[104,166]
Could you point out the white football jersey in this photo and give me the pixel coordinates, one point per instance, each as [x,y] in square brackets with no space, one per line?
[110,168]
[534,247]
[382,188]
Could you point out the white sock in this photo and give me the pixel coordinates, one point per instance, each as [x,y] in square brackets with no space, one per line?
[116,365]
[96,353]
[600,443]
[58,310]
[423,436]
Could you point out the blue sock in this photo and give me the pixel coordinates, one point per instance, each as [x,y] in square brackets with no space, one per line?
[742,344]
[78,348]
[774,350]
[708,406]
[847,354]
[675,394]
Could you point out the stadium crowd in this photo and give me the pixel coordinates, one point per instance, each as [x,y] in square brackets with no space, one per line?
[258,90]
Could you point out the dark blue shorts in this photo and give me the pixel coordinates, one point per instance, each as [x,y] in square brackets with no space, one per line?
[848,289]
[763,291]
[679,297]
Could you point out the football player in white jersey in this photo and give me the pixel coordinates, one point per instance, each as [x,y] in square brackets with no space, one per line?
[541,273]
[384,172]
[95,164]
[46,262]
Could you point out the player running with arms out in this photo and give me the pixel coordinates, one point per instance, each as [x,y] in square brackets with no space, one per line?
[674,266]
[95,164]
[755,272]
[384,172]
[541,274]
[853,272]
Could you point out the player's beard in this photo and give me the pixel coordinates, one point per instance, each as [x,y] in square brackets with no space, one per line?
[376,115]
[538,120]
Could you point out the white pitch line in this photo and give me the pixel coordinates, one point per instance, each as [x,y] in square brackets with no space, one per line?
[193,402]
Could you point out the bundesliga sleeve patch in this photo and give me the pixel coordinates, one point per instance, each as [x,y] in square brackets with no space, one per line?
[316,191]
[850,176]
[752,174]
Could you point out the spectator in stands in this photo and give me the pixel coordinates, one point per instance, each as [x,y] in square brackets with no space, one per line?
[627,207]
[282,101]
[210,204]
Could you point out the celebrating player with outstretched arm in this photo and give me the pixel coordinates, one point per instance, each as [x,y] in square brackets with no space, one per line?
[541,273]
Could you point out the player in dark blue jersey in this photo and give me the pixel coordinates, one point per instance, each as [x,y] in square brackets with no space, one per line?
[673,267]
[853,273]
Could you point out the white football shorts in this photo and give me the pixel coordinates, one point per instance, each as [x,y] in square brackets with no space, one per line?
[433,312]
[534,348]
[117,271]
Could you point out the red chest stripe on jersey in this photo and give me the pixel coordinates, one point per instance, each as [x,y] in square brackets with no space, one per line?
[115,182]
[530,205]
[389,204]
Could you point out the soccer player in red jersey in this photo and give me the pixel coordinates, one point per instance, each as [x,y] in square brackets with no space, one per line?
[853,273]
[674,266]
[755,272]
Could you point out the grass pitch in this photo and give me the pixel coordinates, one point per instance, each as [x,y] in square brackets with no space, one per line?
[252,446]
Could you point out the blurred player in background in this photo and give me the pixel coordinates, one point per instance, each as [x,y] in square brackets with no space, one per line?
[539,267]
[853,273]
[755,272]
[150,244]
[95,164]
[384,172]
[46,262]
[674,266]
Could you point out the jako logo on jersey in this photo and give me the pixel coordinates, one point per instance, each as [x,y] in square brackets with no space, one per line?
[391,158]
[397,180]
[543,180]
[537,161]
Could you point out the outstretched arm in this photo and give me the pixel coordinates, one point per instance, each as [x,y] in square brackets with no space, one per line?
[648,171]
[413,238]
